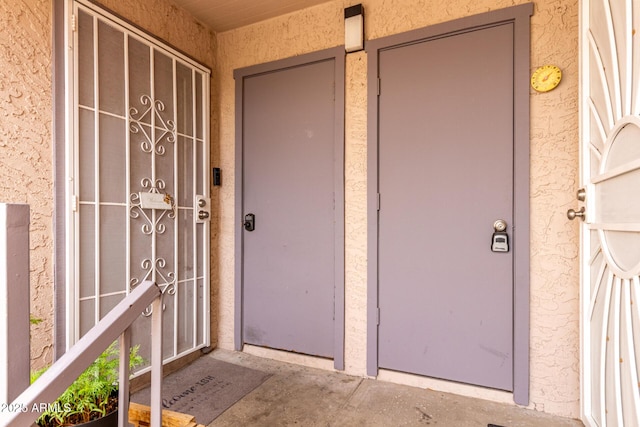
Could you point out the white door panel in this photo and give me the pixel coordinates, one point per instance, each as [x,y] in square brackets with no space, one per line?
[610,175]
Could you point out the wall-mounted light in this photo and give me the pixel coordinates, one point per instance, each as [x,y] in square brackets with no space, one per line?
[354,28]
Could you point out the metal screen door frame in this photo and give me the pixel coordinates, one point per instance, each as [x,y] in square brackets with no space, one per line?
[157,213]
[336,54]
[610,213]
[520,17]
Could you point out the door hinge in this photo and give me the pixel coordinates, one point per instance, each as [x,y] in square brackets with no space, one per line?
[75,203]
[74,23]
[378,86]
[378,201]
[378,316]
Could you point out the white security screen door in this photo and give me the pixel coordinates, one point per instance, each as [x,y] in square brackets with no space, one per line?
[610,169]
[138,192]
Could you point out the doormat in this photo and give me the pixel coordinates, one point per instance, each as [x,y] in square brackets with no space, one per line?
[205,388]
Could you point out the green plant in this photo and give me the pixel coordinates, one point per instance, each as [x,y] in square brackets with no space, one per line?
[92,395]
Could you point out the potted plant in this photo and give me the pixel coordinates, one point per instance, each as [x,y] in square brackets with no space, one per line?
[92,399]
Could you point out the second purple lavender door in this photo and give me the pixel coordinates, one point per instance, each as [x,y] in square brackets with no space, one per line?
[289,143]
[445,176]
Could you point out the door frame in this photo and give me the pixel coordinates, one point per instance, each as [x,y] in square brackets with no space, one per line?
[520,17]
[336,54]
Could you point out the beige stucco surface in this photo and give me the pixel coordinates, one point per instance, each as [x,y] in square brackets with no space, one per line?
[25,144]
[26,165]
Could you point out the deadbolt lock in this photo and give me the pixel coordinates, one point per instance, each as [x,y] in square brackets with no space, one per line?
[581,195]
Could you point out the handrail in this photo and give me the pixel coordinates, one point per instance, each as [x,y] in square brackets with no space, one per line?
[63,372]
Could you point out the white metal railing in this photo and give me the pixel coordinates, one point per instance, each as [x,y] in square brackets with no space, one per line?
[116,324]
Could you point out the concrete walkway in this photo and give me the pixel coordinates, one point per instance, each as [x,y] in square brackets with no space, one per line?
[301,396]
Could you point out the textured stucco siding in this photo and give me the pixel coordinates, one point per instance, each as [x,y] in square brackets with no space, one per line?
[555,332]
[26,146]
[554,161]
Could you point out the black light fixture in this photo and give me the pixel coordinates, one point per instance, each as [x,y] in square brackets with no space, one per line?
[354,28]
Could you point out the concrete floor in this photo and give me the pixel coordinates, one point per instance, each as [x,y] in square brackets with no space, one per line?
[297,395]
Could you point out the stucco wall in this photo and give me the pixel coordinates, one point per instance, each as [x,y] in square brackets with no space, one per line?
[169,23]
[25,144]
[554,162]
[26,148]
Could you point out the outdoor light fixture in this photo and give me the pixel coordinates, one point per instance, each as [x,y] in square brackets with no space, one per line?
[354,28]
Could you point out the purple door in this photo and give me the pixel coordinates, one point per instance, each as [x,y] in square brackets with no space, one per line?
[289,186]
[445,176]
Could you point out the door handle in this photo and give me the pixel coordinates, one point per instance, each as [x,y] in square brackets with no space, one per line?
[204,209]
[573,214]
[249,222]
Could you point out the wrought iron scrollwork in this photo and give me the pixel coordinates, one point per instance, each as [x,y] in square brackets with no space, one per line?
[152,141]
[154,131]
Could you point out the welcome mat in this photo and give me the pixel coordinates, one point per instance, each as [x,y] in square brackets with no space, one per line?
[205,388]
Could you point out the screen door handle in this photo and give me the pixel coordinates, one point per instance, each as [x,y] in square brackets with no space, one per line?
[573,214]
